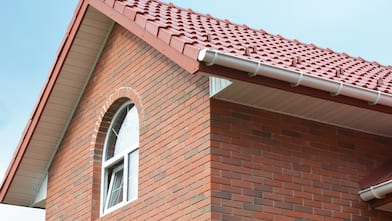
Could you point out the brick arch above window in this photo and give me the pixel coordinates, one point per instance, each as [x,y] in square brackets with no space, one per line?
[121,93]
[105,113]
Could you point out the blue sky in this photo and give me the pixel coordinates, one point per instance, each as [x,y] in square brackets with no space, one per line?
[32,32]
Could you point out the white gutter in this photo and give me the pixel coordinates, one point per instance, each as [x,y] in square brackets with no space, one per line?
[376,192]
[373,97]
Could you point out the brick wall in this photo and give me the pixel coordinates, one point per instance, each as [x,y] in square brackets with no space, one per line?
[261,165]
[269,166]
[174,174]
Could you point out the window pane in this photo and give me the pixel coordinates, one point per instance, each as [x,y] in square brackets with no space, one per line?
[128,134]
[114,129]
[121,158]
[115,192]
[133,174]
[123,131]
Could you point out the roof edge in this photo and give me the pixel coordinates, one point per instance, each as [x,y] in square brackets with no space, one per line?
[188,61]
[295,78]
[378,191]
[117,12]
[61,55]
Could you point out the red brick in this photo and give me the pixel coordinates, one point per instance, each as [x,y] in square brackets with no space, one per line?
[201,158]
[304,176]
[128,61]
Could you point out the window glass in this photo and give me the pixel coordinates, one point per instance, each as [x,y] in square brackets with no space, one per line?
[133,174]
[115,192]
[120,165]
[128,134]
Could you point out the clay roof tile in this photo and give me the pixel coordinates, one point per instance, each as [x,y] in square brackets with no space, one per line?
[203,30]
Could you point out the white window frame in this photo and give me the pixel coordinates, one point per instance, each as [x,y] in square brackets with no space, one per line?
[110,189]
[110,164]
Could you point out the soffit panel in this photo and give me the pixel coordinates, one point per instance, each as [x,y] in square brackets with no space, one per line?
[83,51]
[80,59]
[73,69]
[307,107]
[59,108]
[86,42]
[387,207]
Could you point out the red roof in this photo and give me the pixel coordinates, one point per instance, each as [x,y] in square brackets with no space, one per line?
[180,34]
[188,32]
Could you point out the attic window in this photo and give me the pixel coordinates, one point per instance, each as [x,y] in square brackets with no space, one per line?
[120,159]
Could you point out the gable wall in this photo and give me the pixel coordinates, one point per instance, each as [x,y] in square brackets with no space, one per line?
[269,166]
[264,165]
[174,147]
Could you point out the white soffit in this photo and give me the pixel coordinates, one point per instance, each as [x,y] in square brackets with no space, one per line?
[387,207]
[306,107]
[218,84]
[58,111]
[40,198]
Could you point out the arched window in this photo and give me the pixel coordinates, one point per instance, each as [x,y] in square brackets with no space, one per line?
[120,163]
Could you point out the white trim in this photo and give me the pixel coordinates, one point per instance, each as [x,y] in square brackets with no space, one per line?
[217,85]
[338,90]
[118,157]
[378,191]
[110,189]
[91,71]
[210,57]
[213,59]
[115,207]
[296,84]
[125,177]
[115,159]
[123,158]
[254,73]
[42,193]
[133,153]
[377,99]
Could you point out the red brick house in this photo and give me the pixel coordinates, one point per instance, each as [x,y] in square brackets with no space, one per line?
[154,112]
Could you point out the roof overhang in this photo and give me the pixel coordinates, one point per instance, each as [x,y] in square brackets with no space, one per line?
[58,100]
[318,99]
[315,109]
[75,62]
[294,77]
[246,88]
[302,106]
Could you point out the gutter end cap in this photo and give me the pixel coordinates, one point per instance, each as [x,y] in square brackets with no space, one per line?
[202,54]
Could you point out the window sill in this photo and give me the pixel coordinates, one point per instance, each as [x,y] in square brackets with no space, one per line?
[116,207]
